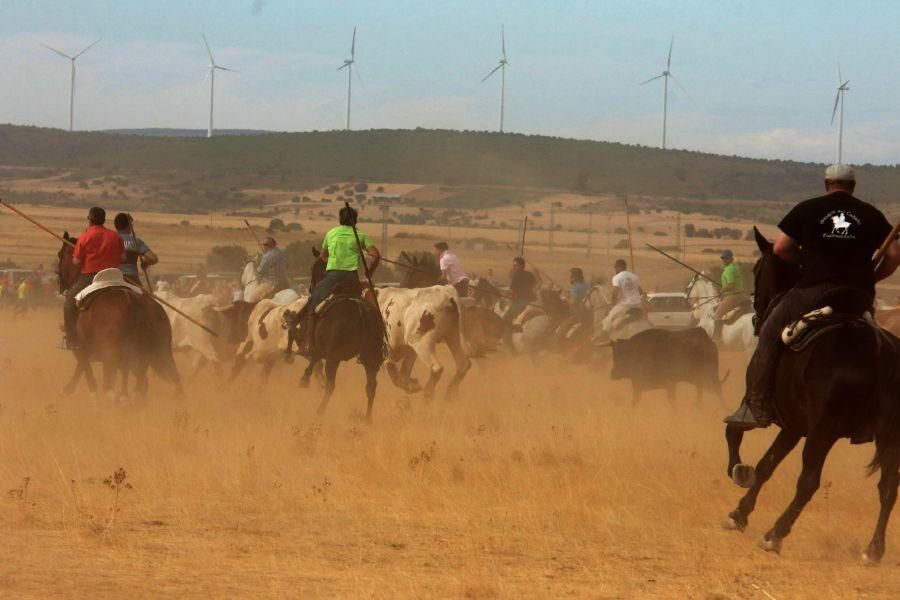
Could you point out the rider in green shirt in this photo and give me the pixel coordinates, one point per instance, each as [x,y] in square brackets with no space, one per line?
[341,254]
[731,294]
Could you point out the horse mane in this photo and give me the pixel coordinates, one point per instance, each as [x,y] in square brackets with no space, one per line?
[423,270]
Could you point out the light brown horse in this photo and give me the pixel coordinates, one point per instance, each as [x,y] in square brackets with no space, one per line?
[127,332]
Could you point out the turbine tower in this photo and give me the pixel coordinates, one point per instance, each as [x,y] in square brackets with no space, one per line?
[212,83]
[72,84]
[839,99]
[666,75]
[348,64]
[501,66]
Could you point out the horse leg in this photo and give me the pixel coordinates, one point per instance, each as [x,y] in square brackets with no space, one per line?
[239,361]
[304,380]
[371,385]
[425,350]
[199,362]
[815,450]
[889,461]
[73,381]
[331,367]
[268,365]
[463,364]
[782,445]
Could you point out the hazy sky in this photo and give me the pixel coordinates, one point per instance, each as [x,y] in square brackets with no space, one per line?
[761,75]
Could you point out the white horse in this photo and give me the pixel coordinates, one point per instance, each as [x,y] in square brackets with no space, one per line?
[255,290]
[705,298]
[599,301]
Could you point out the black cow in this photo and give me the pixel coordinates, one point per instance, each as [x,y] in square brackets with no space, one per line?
[658,358]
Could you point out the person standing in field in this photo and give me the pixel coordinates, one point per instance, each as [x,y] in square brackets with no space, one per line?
[135,250]
[451,269]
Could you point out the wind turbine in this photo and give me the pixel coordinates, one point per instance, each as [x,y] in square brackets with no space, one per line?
[72,85]
[212,83]
[839,99]
[348,64]
[501,66]
[666,74]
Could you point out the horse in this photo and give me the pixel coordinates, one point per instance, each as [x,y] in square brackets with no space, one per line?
[738,335]
[127,332]
[599,301]
[842,383]
[254,290]
[349,327]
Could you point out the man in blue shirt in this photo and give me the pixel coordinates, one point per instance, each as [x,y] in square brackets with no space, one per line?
[135,250]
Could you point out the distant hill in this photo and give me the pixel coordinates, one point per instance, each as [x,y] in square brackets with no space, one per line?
[162,132]
[200,173]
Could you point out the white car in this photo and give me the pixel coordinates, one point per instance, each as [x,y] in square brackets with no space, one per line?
[669,310]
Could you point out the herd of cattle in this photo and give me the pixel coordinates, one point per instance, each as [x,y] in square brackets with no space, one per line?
[418,320]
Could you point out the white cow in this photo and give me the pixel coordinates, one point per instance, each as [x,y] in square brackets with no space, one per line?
[229,322]
[417,320]
[266,339]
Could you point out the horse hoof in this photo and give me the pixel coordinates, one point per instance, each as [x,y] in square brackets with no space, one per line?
[731,524]
[770,545]
[743,475]
[869,561]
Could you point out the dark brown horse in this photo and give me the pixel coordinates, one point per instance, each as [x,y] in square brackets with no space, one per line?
[127,332]
[844,383]
[349,327]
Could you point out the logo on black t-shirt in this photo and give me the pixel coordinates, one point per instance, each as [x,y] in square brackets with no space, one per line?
[841,221]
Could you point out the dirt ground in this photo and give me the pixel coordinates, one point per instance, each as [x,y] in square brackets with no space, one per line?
[539,481]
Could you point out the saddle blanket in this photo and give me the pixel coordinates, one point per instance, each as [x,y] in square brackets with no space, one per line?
[106,278]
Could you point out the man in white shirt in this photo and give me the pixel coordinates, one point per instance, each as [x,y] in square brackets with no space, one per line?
[626,293]
[451,269]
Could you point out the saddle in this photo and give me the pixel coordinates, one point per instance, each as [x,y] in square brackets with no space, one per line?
[632,314]
[103,281]
[736,313]
[801,333]
[333,299]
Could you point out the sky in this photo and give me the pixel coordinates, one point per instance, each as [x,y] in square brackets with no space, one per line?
[760,76]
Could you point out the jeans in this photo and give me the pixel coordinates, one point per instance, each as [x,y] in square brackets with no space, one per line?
[761,370]
[348,280]
[70,310]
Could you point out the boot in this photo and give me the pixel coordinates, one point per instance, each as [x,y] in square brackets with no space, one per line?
[717,331]
[751,414]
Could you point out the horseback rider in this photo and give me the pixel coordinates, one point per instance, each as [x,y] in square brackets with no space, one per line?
[273,266]
[341,253]
[626,293]
[97,248]
[731,295]
[832,238]
[578,292]
[451,269]
[135,250]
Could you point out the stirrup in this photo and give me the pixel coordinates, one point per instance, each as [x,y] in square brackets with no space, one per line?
[745,418]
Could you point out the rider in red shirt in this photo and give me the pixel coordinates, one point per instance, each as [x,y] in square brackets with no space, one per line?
[97,248]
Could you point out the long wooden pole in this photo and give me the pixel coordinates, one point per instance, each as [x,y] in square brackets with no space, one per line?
[35,223]
[628,225]
[71,243]
[885,245]
[362,257]
[255,237]
[524,229]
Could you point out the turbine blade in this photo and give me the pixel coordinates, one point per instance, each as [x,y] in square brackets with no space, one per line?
[844,85]
[503,41]
[208,51]
[669,60]
[353,45]
[225,69]
[497,68]
[63,54]
[97,41]
[679,84]
[653,79]
[837,99]
[343,66]
[358,78]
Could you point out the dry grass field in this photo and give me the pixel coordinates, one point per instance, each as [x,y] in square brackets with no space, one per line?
[537,482]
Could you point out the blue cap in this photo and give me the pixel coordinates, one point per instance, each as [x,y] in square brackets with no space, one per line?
[726,253]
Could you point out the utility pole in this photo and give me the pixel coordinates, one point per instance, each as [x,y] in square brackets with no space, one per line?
[552,226]
[385,209]
[608,232]
[590,236]
[678,233]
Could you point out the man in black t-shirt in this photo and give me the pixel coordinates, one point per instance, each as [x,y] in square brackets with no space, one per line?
[832,238]
[521,293]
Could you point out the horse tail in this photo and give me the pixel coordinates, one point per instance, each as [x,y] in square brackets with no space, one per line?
[875,464]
